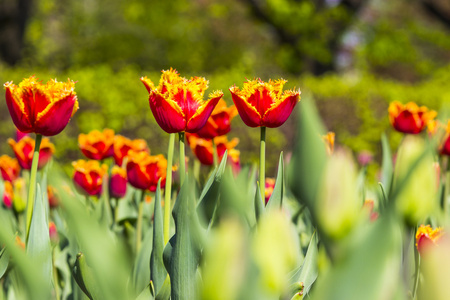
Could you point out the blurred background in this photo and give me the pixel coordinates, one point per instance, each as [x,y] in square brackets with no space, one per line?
[352,56]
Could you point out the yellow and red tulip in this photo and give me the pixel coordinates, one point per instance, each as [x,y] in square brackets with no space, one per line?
[328,139]
[219,123]
[8,194]
[270,185]
[177,103]
[264,104]
[118,182]
[234,160]
[96,144]
[122,145]
[410,118]
[144,170]
[41,108]
[9,168]
[24,149]
[88,176]
[427,236]
[53,200]
[203,148]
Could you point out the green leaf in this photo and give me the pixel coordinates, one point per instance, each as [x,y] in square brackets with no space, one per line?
[4,261]
[157,270]
[182,253]
[164,292]
[387,168]
[85,278]
[141,270]
[39,247]
[276,199]
[307,273]
[146,294]
[259,203]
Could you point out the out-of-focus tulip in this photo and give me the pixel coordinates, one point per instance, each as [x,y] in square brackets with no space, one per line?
[338,206]
[122,145]
[365,157]
[20,195]
[445,146]
[20,135]
[234,160]
[53,233]
[9,168]
[219,123]
[368,207]
[203,149]
[24,149]
[177,103]
[88,176]
[41,108]
[118,182]
[96,144]
[262,103]
[144,170]
[8,194]
[427,237]
[416,200]
[53,200]
[409,118]
[19,242]
[328,139]
[270,184]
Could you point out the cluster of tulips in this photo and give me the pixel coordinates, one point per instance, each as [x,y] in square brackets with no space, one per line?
[189,245]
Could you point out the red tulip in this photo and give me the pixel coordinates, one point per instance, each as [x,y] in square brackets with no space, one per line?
[234,160]
[144,171]
[88,177]
[262,103]
[270,185]
[118,182]
[9,168]
[41,108]
[97,145]
[203,148]
[177,103]
[122,145]
[53,200]
[24,148]
[8,194]
[427,237]
[409,118]
[219,123]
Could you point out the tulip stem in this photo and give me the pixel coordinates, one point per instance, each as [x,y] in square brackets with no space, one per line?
[182,159]
[215,154]
[139,222]
[168,188]
[262,162]
[32,184]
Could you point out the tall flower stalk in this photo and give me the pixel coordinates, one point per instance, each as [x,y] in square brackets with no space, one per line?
[32,187]
[168,188]
[262,162]
[182,158]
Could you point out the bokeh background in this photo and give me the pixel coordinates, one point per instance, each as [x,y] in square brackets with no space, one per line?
[352,56]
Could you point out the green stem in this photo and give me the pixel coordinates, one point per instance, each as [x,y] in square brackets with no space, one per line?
[32,185]
[55,278]
[168,189]
[417,272]
[215,154]
[139,222]
[182,158]
[447,189]
[262,162]
[116,211]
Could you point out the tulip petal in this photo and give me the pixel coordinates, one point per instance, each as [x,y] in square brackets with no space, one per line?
[18,110]
[278,113]
[202,114]
[167,113]
[248,113]
[54,118]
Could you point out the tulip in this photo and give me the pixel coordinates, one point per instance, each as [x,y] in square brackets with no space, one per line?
[118,182]
[204,150]
[122,145]
[445,146]
[97,145]
[234,159]
[8,194]
[427,237]
[328,139]
[177,103]
[270,185]
[144,170]
[41,108]
[20,194]
[53,233]
[409,118]
[219,123]
[53,200]
[9,168]
[88,177]
[20,135]
[24,149]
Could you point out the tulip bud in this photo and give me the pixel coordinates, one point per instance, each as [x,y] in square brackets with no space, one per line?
[427,237]
[118,182]
[416,200]
[338,204]
[20,195]
[8,194]
[54,238]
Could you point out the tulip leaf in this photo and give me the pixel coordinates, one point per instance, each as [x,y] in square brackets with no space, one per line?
[210,193]
[276,199]
[182,253]
[127,208]
[85,278]
[164,292]
[309,156]
[259,203]
[38,246]
[146,294]
[387,168]
[141,270]
[157,270]
[4,261]
[307,273]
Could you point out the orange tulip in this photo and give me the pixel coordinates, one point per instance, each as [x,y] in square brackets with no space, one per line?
[41,108]
[144,171]
[328,139]
[9,168]
[409,118]
[203,148]
[122,145]
[177,103]
[219,123]
[24,148]
[97,145]
[88,176]
[8,194]
[53,200]
[265,104]
[118,182]
[426,237]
